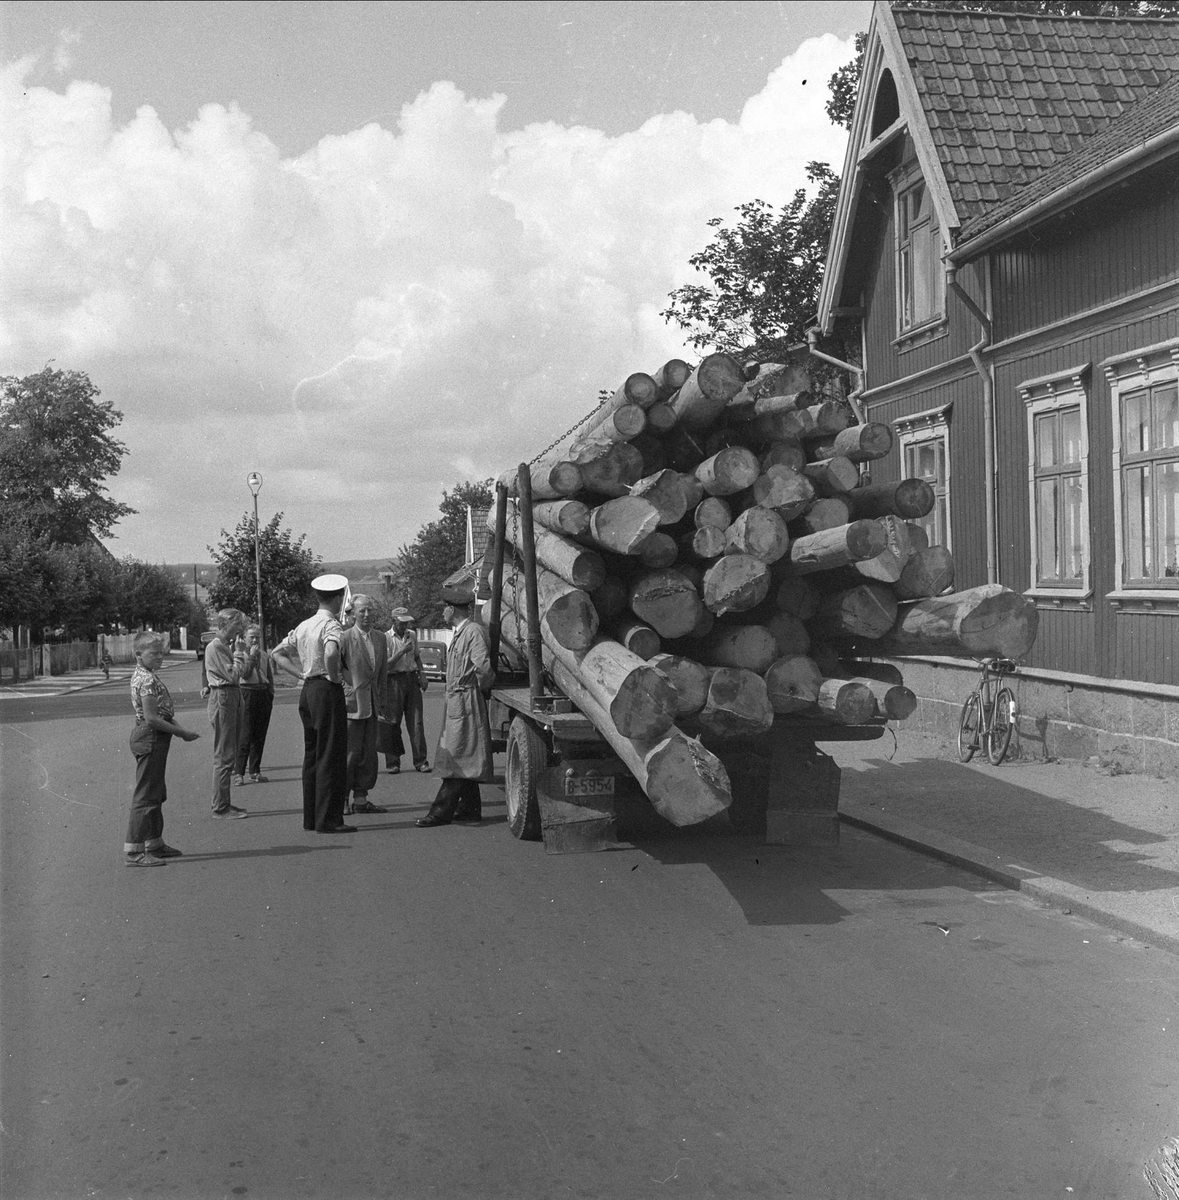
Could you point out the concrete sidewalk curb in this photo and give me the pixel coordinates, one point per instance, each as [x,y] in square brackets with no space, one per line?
[11,690]
[1014,875]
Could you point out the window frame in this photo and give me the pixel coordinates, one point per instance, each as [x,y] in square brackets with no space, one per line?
[1129,372]
[903,180]
[1056,393]
[916,429]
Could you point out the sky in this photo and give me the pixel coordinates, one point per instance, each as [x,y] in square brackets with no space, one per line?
[373,251]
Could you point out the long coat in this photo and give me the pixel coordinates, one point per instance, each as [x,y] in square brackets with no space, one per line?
[464,746]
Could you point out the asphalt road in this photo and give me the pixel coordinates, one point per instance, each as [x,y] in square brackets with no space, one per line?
[415,1013]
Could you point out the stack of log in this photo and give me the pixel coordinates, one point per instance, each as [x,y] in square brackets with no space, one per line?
[711,559]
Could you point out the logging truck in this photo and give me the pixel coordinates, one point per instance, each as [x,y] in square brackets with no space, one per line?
[693,592]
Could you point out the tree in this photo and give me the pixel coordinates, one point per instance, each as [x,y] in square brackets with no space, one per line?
[438,551]
[151,595]
[765,274]
[288,567]
[842,85]
[56,450]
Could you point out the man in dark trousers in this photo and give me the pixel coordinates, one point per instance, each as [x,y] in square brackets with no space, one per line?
[315,645]
[463,757]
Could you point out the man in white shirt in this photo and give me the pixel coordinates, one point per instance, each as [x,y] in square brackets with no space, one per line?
[312,653]
[405,682]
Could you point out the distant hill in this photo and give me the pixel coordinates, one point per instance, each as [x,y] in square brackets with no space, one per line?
[359,568]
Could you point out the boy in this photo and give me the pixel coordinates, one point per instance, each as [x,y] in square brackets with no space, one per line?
[226,661]
[257,692]
[315,644]
[154,728]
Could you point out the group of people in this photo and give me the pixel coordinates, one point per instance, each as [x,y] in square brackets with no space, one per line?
[359,684]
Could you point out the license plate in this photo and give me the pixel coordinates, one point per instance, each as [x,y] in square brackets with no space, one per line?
[589,785]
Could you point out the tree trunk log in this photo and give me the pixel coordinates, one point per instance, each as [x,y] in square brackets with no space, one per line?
[609,598]
[667,601]
[703,544]
[703,395]
[671,377]
[661,418]
[846,702]
[829,417]
[735,583]
[910,499]
[930,572]
[990,621]
[622,525]
[867,611]
[573,563]
[566,517]
[793,683]
[829,513]
[607,468]
[751,647]
[786,424]
[569,612]
[832,548]
[658,550]
[790,634]
[833,476]
[738,704]
[890,562]
[638,638]
[759,532]
[731,470]
[918,538]
[713,513]
[860,443]
[667,492]
[688,677]
[552,479]
[784,491]
[786,452]
[894,701]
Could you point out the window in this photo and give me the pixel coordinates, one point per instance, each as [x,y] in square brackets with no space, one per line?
[925,454]
[1144,392]
[920,282]
[1058,483]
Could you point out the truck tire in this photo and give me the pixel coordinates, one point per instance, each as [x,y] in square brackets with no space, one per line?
[527,757]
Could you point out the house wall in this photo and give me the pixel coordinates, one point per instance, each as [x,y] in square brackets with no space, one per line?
[1069,294]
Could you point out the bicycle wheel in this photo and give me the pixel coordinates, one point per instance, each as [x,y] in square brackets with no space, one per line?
[998,736]
[969,726]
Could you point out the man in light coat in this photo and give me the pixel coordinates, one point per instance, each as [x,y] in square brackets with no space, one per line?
[362,649]
[463,756]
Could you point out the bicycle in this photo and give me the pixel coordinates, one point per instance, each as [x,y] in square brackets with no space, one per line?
[988,716]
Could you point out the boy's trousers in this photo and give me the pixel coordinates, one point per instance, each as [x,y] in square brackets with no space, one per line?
[145,828]
[224,716]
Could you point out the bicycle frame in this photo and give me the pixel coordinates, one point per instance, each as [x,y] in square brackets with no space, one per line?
[989,714]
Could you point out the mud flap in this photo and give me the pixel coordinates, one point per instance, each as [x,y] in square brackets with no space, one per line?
[574,823]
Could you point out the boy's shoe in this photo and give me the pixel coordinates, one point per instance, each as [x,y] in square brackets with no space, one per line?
[232,813]
[259,778]
[238,780]
[165,851]
[145,860]
[394,768]
[423,766]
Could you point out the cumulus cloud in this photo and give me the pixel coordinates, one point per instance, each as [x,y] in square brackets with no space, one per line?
[367,324]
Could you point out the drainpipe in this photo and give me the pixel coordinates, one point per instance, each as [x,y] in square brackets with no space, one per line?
[988,386]
[812,344]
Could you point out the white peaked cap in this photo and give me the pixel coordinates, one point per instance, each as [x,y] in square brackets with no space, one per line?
[330,583]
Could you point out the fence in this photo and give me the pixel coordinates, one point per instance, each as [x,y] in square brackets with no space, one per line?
[60,658]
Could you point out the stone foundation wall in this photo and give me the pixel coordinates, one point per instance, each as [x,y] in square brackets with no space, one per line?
[1115,729]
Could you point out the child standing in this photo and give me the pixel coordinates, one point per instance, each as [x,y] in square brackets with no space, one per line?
[257,690]
[226,661]
[150,739]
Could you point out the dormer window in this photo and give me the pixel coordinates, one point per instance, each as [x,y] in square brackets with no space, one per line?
[920,282]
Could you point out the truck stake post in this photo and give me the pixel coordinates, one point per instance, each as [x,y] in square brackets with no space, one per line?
[532,603]
[497,571]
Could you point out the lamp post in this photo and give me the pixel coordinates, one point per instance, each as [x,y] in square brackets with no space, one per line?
[254,483]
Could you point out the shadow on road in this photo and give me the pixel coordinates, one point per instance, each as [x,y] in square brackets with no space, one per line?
[271,852]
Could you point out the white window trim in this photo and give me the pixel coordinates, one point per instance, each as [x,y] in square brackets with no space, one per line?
[901,179]
[929,426]
[1127,373]
[1051,393]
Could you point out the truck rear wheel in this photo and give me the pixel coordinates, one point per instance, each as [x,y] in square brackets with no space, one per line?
[527,757]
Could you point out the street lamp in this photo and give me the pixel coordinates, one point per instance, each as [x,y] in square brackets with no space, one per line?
[254,483]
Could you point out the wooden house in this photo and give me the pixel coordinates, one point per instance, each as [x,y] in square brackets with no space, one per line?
[1006,249]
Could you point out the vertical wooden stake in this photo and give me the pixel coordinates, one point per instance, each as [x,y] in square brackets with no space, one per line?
[531,603]
[497,570]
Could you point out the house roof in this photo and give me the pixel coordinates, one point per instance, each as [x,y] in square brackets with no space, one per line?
[1007,111]
[1008,96]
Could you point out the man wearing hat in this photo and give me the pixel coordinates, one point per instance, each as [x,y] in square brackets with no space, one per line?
[463,756]
[315,647]
[405,682]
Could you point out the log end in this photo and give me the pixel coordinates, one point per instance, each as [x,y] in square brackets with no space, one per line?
[686,783]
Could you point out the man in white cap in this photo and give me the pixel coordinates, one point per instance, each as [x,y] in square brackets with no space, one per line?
[315,646]
[463,756]
[406,681]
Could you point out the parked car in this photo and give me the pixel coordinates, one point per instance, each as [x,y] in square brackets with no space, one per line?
[433,659]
